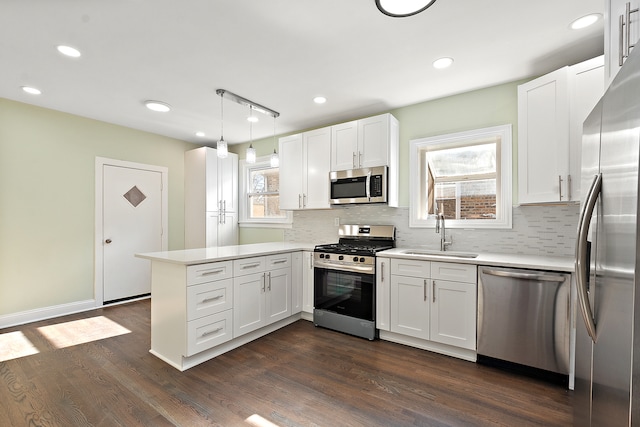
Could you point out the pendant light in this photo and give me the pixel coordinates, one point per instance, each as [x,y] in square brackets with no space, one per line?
[251,152]
[275,160]
[221,146]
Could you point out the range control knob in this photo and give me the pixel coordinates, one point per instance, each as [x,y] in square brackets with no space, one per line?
[355,259]
[321,255]
[327,256]
[341,257]
[361,259]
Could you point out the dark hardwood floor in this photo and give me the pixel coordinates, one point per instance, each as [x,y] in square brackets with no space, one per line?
[297,376]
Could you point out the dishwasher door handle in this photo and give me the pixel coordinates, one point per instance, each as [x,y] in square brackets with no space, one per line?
[527,276]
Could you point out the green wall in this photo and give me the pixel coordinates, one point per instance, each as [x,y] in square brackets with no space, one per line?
[47,198]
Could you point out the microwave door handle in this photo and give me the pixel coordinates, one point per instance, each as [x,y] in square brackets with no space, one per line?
[369,186]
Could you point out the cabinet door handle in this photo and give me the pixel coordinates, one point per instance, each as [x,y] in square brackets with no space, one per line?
[263,280]
[628,13]
[311,261]
[204,334]
[425,289]
[353,161]
[433,290]
[621,40]
[304,200]
[359,160]
[211,298]
[382,272]
[269,277]
[569,187]
[280,261]
[560,185]
[299,200]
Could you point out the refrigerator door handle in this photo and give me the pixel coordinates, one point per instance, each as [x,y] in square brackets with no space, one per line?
[582,255]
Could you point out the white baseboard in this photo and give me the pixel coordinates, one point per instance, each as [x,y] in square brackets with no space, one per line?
[29,316]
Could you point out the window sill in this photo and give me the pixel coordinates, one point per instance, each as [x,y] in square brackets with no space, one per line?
[252,224]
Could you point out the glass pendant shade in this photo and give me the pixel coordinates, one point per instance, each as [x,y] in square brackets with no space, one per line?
[275,160]
[222,148]
[251,154]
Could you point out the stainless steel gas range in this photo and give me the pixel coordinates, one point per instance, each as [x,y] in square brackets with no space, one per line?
[345,279]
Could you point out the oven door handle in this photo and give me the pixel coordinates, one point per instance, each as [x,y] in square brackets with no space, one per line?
[350,268]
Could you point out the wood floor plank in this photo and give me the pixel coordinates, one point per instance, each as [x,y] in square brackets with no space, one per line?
[297,376]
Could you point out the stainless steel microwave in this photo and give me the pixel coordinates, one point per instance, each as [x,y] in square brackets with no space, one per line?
[368,185]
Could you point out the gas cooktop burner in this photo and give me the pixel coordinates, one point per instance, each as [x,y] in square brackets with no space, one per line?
[363,240]
[342,248]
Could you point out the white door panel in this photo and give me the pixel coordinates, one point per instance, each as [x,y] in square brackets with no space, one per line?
[132,223]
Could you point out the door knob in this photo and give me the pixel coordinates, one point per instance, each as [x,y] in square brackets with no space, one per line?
[107,241]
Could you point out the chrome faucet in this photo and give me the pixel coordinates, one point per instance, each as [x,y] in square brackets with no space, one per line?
[443,235]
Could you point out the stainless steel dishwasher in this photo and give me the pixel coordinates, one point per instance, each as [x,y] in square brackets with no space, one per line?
[523,317]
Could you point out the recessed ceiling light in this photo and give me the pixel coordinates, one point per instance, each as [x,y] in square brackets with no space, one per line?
[319,99]
[442,63]
[31,90]
[200,134]
[158,106]
[400,9]
[252,119]
[69,51]
[585,21]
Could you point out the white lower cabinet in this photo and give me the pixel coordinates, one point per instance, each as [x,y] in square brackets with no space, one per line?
[383,293]
[434,302]
[307,282]
[262,293]
[410,306]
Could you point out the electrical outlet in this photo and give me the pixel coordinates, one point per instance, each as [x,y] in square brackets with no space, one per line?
[336,221]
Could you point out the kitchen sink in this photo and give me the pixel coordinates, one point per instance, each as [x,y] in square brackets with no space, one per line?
[419,252]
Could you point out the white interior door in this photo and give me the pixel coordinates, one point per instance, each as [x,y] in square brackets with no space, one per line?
[132,223]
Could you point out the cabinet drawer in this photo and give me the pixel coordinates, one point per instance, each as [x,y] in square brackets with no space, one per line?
[203,273]
[208,332]
[209,298]
[242,267]
[453,272]
[409,267]
[278,261]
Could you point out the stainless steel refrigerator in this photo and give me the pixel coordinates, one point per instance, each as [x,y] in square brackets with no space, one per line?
[607,386]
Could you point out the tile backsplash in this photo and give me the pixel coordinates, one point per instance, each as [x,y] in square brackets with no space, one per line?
[537,230]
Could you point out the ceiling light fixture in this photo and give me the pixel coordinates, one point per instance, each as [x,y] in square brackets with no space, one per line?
[401,9]
[69,51]
[159,106]
[251,152]
[200,134]
[252,106]
[319,99]
[442,63]
[31,90]
[275,160]
[221,146]
[585,21]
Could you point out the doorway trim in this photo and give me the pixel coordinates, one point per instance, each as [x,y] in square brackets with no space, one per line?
[98,234]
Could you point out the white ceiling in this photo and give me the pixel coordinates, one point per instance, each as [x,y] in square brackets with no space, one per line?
[278,53]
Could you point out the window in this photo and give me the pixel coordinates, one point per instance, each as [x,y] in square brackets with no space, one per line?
[260,201]
[466,176]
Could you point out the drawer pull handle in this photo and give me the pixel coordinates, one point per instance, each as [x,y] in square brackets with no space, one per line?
[279,261]
[210,272]
[212,298]
[244,267]
[204,334]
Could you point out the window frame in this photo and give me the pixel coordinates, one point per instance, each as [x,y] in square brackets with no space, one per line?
[419,218]
[245,170]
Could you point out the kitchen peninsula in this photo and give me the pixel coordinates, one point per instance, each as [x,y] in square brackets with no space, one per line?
[205,302]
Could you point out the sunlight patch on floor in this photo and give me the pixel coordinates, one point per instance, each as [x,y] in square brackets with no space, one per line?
[257,421]
[14,345]
[82,331]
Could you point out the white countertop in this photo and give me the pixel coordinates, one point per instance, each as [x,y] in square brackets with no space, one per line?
[223,253]
[565,264]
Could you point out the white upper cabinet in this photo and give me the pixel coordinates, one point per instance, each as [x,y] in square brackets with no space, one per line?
[551,110]
[621,33]
[211,198]
[364,143]
[305,161]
